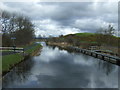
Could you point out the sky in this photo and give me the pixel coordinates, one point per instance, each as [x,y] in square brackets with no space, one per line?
[61,18]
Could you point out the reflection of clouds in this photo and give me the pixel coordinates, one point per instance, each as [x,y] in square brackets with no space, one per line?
[97,78]
[43,70]
[91,84]
[80,59]
[48,54]
[83,68]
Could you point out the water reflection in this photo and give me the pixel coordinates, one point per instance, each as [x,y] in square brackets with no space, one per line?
[19,75]
[55,68]
[106,67]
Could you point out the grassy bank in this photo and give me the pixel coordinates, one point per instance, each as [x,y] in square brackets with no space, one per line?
[93,41]
[33,51]
[9,61]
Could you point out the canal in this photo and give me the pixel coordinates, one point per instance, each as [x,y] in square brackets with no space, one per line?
[55,68]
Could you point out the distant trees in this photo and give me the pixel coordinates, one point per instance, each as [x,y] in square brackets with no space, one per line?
[105,36]
[15,25]
[39,36]
[109,31]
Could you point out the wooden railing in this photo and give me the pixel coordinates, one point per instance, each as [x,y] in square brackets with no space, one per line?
[15,49]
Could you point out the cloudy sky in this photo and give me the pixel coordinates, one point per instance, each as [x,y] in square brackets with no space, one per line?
[56,18]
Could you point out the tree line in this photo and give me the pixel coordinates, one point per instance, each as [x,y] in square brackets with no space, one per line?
[16,26]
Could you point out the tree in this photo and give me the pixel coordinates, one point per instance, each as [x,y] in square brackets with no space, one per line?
[5,21]
[25,31]
[109,31]
[19,26]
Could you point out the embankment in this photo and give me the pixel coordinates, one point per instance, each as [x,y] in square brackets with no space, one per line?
[10,61]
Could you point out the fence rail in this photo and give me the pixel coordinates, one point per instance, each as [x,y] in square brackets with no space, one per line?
[15,49]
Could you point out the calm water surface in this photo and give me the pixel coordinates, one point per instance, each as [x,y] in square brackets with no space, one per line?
[55,68]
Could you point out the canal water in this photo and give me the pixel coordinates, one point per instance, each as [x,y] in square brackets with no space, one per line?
[55,68]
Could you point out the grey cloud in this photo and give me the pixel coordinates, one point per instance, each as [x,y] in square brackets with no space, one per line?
[65,14]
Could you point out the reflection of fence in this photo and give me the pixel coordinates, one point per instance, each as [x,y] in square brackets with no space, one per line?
[15,49]
[109,58]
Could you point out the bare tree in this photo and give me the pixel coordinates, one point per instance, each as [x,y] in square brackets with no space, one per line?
[109,31]
[5,21]
[19,26]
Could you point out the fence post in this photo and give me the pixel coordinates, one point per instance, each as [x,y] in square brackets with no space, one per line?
[14,47]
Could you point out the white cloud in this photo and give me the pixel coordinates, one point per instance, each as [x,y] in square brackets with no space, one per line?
[49,27]
[92,24]
[59,1]
[7,8]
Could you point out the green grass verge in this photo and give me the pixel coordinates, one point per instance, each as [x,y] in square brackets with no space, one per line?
[33,49]
[9,61]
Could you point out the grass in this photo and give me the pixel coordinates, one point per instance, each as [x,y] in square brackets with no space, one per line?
[84,34]
[9,61]
[33,49]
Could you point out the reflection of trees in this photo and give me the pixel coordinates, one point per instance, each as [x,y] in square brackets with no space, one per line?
[24,68]
[19,74]
[67,49]
[53,47]
[106,67]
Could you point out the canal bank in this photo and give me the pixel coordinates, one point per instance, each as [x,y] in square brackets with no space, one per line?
[105,57]
[10,61]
